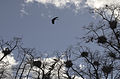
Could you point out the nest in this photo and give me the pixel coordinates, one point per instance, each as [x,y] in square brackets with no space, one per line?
[84,54]
[107,69]
[112,55]
[6,51]
[102,39]
[113,24]
[68,63]
[96,63]
[37,63]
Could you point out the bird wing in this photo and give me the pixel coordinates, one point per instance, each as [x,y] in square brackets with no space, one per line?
[53,20]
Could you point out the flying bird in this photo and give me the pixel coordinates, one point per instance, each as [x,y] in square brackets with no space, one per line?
[53,20]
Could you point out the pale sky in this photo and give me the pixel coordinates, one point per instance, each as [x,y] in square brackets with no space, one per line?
[31,20]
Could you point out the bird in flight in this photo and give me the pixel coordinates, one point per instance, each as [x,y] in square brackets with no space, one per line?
[53,20]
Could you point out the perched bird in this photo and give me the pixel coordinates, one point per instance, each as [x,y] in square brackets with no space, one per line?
[53,20]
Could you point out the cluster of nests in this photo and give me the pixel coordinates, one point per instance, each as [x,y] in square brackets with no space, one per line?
[107,68]
[38,63]
[102,39]
[85,54]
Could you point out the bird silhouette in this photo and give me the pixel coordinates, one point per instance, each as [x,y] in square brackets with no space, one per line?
[53,20]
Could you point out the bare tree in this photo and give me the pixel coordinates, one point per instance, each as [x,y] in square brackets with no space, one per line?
[99,61]
[104,63]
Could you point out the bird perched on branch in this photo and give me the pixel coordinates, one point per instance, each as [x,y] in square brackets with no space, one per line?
[53,20]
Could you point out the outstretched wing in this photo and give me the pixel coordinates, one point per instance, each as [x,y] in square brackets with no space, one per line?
[53,20]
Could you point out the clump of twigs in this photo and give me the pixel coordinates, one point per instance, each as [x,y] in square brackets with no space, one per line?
[68,63]
[84,54]
[6,51]
[113,24]
[102,39]
[96,63]
[107,69]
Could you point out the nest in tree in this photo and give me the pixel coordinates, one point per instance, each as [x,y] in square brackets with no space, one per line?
[37,63]
[113,24]
[96,63]
[6,51]
[84,54]
[107,69]
[112,55]
[102,39]
[68,63]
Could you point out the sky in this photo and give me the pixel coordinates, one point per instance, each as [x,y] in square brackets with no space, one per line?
[31,20]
